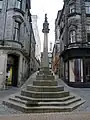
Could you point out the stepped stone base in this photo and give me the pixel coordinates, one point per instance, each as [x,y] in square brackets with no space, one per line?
[44,96]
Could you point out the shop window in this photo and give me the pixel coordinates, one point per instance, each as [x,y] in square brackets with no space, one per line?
[66,71]
[19,4]
[87,69]
[76,70]
[16,31]
[1,2]
[88,37]
[72,8]
[72,36]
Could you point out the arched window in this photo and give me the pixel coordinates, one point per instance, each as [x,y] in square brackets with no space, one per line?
[72,36]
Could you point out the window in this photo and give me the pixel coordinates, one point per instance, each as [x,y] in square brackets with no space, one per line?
[72,8]
[19,4]
[87,4]
[17,31]
[88,27]
[72,36]
[88,9]
[1,1]
[88,37]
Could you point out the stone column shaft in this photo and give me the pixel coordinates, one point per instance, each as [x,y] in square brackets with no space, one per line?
[45,51]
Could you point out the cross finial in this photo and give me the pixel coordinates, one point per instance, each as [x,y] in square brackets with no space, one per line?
[45,17]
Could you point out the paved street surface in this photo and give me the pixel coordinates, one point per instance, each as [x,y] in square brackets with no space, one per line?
[83,92]
[48,116]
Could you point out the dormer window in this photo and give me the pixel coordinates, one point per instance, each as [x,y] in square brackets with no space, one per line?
[1,1]
[72,8]
[19,4]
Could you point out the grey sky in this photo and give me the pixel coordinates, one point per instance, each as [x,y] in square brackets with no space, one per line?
[51,7]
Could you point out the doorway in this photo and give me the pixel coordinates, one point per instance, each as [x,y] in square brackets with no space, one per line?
[12,70]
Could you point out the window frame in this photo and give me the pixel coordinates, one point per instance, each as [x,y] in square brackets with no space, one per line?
[72,36]
[16,31]
[87,7]
[19,4]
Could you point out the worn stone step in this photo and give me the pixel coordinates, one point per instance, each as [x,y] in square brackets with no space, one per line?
[42,109]
[68,102]
[45,88]
[45,83]
[44,94]
[45,99]
[45,77]
[18,100]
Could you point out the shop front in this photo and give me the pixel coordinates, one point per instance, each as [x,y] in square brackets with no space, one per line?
[77,68]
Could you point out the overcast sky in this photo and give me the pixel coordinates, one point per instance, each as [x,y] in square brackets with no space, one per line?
[51,7]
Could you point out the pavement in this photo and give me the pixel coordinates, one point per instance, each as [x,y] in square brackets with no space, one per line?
[81,113]
[48,116]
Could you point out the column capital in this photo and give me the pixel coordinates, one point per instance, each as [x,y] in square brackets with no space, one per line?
[45,25]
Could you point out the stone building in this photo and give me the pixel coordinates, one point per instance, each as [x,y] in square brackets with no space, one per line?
[15,41]
[73,22]
[38,42]
[37,37]
[56,48]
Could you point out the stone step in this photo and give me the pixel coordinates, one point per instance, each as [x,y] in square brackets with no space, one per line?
[45,88]
[45,83]
[44,94]
[65,103]
[45,99]
[18,100]
[45,77]
[44,73]
[32,102]
[42,109]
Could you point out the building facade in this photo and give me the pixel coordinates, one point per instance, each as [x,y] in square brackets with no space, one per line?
[56,48]
[74,26]
[38,43]
[15,41]
[37,37]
